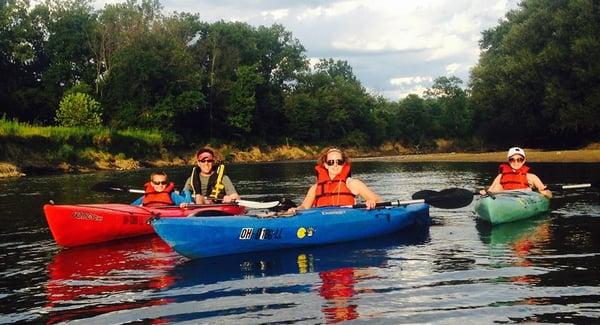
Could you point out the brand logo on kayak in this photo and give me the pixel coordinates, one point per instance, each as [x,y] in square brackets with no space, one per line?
[246,233]
[261,233]
[86,216]
[333,212]
[268,234]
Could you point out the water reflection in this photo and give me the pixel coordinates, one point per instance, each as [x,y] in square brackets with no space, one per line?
[544,269]
[518,242]
[83,281]
[340,268]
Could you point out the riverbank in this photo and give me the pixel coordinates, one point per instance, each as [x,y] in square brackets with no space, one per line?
[533,155]
[104,161]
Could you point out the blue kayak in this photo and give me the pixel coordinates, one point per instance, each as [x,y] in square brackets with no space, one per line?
[197,237]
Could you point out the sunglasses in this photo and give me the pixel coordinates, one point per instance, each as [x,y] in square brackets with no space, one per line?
[160,183]
[333,161]
[519,160]
[206,160]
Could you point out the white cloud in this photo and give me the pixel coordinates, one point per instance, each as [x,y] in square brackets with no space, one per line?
[409,80]
[276,14]
[452,68]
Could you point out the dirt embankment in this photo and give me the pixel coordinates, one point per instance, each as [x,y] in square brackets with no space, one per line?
[591,154]
[586,156]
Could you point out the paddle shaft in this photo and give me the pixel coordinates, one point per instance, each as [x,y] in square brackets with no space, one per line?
[388,203]
[569,187]
[113,187]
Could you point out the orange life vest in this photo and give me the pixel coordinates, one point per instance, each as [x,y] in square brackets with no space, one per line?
[333,191]
[154,198]
[513,179]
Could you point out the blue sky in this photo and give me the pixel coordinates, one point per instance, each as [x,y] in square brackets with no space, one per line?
[395,47]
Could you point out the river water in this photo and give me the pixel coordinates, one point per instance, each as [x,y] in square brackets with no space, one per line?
[458,270]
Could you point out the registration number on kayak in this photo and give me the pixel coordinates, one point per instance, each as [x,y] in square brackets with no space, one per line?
[86,216]
[260,233]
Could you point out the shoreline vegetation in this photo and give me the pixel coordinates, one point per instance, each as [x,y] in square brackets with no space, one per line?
[108,162]
[37,150]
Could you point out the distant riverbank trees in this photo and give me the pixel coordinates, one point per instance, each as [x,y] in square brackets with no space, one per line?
[537,81]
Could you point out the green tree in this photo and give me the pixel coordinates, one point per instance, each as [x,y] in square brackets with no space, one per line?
[79,110]
[242,101]
[21,46]
[454,116]
[151,80]
[537,80]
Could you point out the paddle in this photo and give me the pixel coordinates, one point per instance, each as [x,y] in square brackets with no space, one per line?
[114,187]
[557,187]
[451,198]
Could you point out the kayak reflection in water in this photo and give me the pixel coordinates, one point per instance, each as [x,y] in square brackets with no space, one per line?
[160,192]
[93,280]
[334,185]
[339,290]
[515,175]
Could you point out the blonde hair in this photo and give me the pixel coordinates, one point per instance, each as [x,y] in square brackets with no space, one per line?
[323,156]
[160,173]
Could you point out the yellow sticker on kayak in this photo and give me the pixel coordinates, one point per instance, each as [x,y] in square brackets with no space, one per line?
[301,233]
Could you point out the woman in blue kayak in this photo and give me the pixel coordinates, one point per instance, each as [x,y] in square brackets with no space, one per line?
[514,175]
[334,185]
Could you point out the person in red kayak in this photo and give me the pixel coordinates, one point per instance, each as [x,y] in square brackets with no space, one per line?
[159,192]
[208,182]
[334,185]
[514,175]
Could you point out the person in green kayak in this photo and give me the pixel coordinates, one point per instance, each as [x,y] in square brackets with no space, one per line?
[514,175]
[208,182]
[160,192]
[334,185]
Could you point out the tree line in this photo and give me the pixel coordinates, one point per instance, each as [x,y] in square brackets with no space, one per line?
[129,65]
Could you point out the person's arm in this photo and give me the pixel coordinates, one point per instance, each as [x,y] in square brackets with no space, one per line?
[199,199]
[359,188]
[309,199]
[181,200]
[138,201]
[537,183]
[495,187]
[230,192]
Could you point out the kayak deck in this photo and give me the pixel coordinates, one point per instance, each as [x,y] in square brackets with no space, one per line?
[205,237]
[510,206]
[75,225]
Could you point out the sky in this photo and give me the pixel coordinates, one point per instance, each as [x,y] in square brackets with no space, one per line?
[395,47]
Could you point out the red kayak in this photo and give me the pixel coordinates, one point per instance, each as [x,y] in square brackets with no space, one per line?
[75,225]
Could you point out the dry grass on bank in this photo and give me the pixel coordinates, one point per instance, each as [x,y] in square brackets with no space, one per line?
[9,170]
[533,155]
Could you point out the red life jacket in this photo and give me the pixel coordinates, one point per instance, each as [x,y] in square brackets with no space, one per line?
[154,198]
[513,179]
[333,191]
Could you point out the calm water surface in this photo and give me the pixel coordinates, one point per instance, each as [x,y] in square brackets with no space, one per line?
[545,269]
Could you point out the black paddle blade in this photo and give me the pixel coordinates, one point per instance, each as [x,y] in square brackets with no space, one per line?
[284,205]
[424,194]
[108,187]
[451,198]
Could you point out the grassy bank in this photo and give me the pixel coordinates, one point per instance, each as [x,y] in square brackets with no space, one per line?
[29,150]
[37,149]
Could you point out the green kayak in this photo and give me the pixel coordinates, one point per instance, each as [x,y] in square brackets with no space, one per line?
[510,206]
